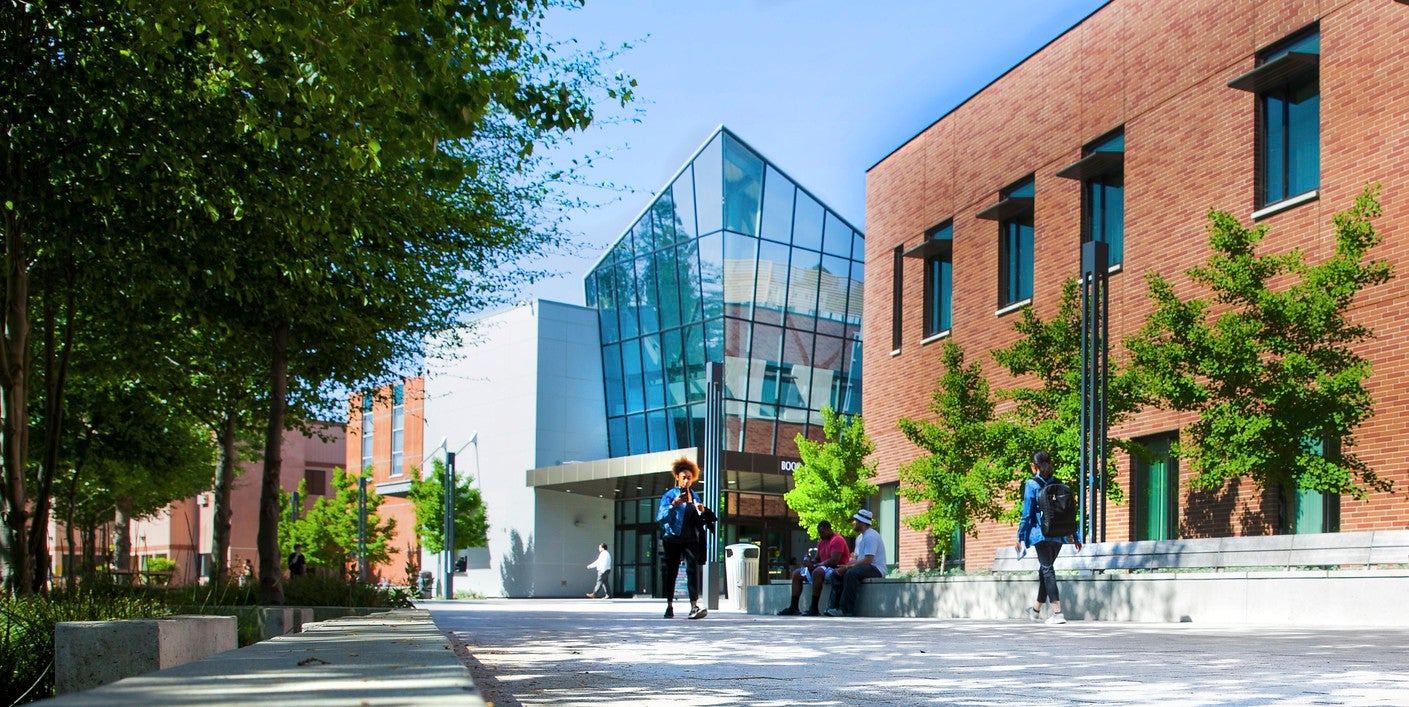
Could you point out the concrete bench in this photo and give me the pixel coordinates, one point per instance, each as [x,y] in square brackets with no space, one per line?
[1357,550]
[92,653]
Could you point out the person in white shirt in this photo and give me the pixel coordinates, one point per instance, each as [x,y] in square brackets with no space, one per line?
[867,560]
[603,565]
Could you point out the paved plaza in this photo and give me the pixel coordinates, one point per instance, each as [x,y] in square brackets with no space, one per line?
[621,652]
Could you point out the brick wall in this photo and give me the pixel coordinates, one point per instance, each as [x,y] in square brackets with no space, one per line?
[1160,68]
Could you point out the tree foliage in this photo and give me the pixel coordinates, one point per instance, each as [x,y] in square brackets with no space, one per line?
[966,475]
[1268,362]
[328,530]
[834,479]
[428,496]
[1049,414]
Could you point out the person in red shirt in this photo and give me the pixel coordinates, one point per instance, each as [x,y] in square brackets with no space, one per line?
[831,552]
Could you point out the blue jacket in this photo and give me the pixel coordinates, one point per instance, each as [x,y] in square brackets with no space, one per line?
[1030,529]
[671,519]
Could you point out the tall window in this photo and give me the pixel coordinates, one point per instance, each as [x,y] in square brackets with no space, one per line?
[1015,232]
[1102,174]
[398,429]
[897,297]
[367,400]
[939,280]
[1155,507]
[1288,87]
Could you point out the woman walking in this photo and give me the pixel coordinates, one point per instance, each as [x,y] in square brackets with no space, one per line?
[683,519]
[1047,549]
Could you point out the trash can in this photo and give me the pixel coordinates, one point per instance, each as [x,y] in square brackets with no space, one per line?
[740,573]
[427,585]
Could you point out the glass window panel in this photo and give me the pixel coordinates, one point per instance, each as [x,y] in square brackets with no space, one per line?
[687,263]
[838,236]
[676,370]
[711,251]
[771,294]
[736,338]
[939,292]
[807,222]
[833,286]
[647,300]
[612,373]
[858,247]
[683,194]
[632,241]
[681,428]
[696,376]
[1015,261]
[667,288]
[616,437]
[1303,138]
[607,304]
[626,289]
[714,339]
[743,187]
[767,344]
[797,351]
[709,183]
[854,293]
[778,206]
[632,378]
[663,214]
[662,434]
[636,434]
[697,423]
[740,262]
[589,290]
[653,367]
[803,281]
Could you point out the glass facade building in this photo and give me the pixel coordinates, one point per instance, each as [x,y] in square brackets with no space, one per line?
[732,262]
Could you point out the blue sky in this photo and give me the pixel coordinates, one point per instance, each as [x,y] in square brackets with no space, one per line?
[823,88]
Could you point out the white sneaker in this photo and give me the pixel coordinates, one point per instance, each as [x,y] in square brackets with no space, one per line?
[1033,614]
[1056,618]
[834,612]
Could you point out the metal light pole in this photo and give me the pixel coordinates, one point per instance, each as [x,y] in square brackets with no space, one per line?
[1095,326]
[711,453]
[362,527]
[447,562]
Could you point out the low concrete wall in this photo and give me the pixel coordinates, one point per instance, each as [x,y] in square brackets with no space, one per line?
[1308,598]
[92,653]
[279,620]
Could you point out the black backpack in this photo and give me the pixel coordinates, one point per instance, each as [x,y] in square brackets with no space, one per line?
[1056,506]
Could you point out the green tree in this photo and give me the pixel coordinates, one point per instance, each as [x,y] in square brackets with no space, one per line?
[1268,362]
[834,479]
[428,497]
[968,474]
[1049,414]
[328,530]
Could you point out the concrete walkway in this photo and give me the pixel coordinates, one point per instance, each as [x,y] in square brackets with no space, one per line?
[621,652]
[391,658]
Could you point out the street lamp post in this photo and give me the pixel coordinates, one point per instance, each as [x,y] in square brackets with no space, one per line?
[448,554]
[362,527]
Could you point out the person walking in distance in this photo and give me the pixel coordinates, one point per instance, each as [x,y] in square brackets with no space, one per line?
[1048,521]
[298,564]
[603,565]
[682,518]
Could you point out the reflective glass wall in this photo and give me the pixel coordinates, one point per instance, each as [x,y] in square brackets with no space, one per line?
[732,262]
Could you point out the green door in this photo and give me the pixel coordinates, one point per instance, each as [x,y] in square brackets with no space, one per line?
[1157,483]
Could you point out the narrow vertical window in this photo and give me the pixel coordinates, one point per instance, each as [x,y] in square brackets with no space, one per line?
[1013,212]
[1288,88]
[1101,171]
[398,429]
[897,297]
[936,251]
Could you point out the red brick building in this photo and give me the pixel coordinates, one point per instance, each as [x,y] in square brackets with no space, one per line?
[1319,107]
[393,444]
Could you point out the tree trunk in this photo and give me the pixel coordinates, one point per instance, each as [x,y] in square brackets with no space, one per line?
[14,387]
[57,355]
[270,589]
[122,534]
[224,481]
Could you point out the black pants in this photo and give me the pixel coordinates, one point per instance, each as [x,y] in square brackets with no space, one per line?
[675,551]
[1047,552]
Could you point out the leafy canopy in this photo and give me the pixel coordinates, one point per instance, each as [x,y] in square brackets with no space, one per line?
[833,481]
[328,530]
[1268,362]
[428,497]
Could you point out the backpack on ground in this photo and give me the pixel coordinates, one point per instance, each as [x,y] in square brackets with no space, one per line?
[1056,506]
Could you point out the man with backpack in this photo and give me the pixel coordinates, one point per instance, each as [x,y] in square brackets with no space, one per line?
[1049,519]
